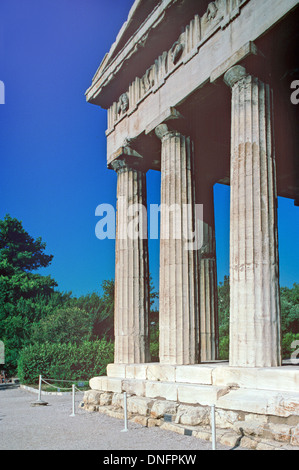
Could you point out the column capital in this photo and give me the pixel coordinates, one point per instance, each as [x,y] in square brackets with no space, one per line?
[234,75]
[126,158]
[163,130]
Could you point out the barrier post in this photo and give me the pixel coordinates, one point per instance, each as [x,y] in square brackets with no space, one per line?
[39,388]
[73,399]
[125,413]
[39,401]
[213,423]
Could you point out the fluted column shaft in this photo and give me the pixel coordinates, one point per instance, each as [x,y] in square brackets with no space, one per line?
[178,320]
[254,278]
[208,278]
[131,318]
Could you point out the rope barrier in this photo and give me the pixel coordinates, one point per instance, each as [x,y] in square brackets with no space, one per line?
[46,381]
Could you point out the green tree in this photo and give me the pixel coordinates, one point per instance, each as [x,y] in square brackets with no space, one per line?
[223,318]
[20,254]
[63,325]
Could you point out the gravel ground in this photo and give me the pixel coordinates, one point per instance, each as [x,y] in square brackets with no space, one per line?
[24,427]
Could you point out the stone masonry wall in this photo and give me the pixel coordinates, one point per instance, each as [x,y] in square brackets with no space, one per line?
[260,432]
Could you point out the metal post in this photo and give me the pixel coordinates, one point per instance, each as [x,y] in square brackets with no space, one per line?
[213,422]
[39,389]
[39,401]
[126,413]
[73,399]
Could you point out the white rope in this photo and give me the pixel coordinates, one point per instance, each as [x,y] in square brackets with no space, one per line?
[54,386]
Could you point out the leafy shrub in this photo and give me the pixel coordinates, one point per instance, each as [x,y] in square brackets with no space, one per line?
[64,361]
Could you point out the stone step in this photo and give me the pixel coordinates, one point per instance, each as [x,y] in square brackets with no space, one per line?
[264,402]
[285,378]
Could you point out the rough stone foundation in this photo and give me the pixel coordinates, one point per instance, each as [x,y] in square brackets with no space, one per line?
[259,432]
[251,404]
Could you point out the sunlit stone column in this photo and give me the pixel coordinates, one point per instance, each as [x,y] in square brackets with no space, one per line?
[178,319]
[131,315]
[208,276]
[254,278]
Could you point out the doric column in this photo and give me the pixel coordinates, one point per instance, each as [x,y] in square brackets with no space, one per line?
[254,278]
[131,317]
[208,276]
[178,319]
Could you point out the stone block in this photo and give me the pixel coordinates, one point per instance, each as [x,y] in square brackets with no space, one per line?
[134,387]
[139,405]
[225,419]
[114,385]
[152,422]
[250,428]
[172,427]
[161,390]
[278,432]
[283,404]
[162,407]
[229,439]
[204,435]
[105,399]
[295,436]
[248,443]
[196,374]
[265,446]
[192,415]
[118,400]
[205,395]
[250,401]
[116,370]
[136,371]
[143,420]
[92,397]
[276,378]
[98,383]
[161,373]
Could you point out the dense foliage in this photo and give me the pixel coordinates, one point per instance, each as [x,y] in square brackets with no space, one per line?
[66,361]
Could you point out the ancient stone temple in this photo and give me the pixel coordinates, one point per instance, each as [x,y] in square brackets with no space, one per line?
[200,91]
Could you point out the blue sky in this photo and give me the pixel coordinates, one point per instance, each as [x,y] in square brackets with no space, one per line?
[53,148]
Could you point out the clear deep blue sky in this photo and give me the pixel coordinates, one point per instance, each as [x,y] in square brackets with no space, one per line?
[53,147]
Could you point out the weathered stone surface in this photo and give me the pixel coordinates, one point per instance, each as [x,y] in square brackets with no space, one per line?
[162,407]
[254,283]
[92,397]
[198,394]
[152,422]
[276,378]
[173,427]
[105,399]
[116,370]
[161,389]
[134,387]
[278,432]
[98,383]
[250,428]
[295,436]
[143,420]
[139,405]
[225,419]
[136,371]
[229,438]
[178,323]
[118,400]
[193,416]
[160,372]
[131,268]
[200,374]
